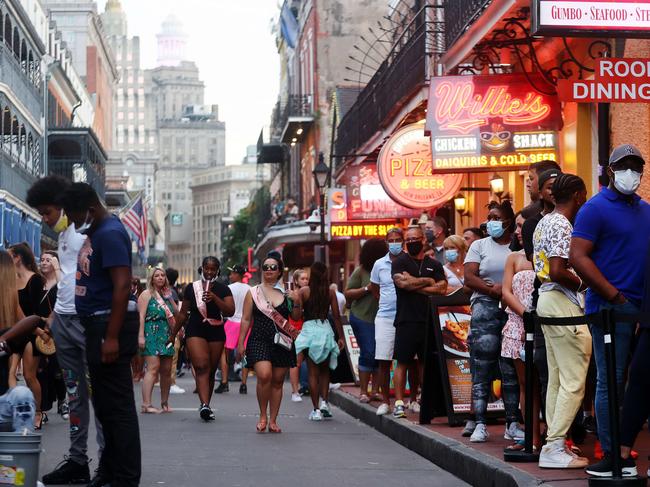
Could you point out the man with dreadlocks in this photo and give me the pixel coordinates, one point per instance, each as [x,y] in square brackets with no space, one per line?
[568,348]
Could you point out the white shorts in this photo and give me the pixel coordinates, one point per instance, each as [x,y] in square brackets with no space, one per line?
[384,338]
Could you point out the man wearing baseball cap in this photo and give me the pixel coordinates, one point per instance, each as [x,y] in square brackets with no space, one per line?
[232,327]
[611,234]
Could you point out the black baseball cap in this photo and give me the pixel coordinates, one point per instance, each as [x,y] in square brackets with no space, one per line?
[237,269]
[546,175]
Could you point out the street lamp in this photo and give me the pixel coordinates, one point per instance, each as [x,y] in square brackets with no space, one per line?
[460,203]
[321,175]
[496,184]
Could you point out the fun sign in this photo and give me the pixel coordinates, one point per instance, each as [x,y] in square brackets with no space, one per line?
[489,123]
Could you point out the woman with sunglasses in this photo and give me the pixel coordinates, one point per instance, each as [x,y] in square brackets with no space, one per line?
[269,350]
[206,303]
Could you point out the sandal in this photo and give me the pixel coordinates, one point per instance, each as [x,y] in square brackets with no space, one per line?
[164,406]
[377,397]
[261,425]
[364,399]
[38,424]
[149,409]
[274,428]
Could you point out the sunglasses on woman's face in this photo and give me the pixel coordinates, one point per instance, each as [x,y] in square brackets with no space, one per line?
[270,267]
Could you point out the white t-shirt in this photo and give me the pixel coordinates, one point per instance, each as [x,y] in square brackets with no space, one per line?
[239,291]
[491,258]
[70,242]
[452,279]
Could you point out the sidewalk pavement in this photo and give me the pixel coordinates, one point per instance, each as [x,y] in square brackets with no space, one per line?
[479,464]
[180,450]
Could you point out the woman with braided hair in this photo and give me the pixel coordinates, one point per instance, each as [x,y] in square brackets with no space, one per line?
[568,348]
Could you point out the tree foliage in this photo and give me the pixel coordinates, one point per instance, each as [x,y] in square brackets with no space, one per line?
[247,228]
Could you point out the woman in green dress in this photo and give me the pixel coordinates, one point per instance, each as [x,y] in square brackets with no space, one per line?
[156,320]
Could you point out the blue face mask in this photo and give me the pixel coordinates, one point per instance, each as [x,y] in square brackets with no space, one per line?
[395,248]
[495,229]
[451,255]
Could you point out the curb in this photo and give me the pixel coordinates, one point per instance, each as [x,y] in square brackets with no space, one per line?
[472,466]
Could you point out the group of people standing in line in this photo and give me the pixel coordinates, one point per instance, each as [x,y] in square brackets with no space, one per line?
[562,256]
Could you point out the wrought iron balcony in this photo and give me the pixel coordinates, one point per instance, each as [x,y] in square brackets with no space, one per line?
[296,112]
[460,15]
[400,75]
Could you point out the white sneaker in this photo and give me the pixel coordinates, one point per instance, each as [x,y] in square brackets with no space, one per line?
[554,455]
[325,410]
[480,434]
[316,415]
[414,406]
[174,389]
[295,397]
[514,432]
[335,386]
[383,409]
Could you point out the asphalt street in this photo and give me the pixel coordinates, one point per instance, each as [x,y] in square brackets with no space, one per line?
[179,449]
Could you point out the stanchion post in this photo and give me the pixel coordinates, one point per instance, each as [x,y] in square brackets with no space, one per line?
[609,331]
[612,391]
[527,455]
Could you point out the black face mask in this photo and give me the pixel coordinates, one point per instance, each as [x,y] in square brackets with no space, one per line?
[429,236]
[414,248]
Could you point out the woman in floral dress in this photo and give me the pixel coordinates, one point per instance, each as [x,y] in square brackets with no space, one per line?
[518,287]
[156,319]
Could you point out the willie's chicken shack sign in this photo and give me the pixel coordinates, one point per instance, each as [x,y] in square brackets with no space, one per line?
[491,123]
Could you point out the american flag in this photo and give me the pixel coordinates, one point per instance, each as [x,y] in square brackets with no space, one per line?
[135,218]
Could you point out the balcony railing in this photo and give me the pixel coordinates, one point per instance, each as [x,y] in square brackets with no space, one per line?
[459,15]
[298,106]
[399,76]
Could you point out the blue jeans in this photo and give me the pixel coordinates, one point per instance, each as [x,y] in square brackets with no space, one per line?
[17,410]
[623,338]
[364,333]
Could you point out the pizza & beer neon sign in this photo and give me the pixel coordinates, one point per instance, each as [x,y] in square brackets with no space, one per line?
[406,172]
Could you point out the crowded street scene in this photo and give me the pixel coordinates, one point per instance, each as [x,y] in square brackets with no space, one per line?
[324,242]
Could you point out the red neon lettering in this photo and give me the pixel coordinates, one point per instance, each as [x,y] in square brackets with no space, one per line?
[459,108]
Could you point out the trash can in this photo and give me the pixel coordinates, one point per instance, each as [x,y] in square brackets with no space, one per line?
[19,457]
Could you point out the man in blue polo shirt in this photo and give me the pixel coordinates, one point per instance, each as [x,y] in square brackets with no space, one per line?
[610,239]
[111,324]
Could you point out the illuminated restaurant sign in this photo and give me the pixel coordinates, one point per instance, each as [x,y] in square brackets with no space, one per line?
[619,18]
[614,81]
[365,198]
[491,123]
[361,229]
[405,170]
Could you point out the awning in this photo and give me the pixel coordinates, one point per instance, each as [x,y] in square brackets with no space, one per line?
[279,235]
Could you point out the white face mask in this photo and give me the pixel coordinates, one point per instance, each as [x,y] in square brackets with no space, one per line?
[627,181]
[85,226]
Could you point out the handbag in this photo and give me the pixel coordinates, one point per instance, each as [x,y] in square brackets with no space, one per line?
[46,348]
[282,340]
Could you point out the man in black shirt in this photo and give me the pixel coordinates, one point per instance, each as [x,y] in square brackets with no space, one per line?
[416,278]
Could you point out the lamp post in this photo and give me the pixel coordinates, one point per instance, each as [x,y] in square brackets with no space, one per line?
[496,185]
[321,175]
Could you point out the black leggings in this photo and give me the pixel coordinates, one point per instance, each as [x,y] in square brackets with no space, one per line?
[636,406]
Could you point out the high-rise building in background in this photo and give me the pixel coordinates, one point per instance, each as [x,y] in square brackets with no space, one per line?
[133,160]
[81,29]
[191,139]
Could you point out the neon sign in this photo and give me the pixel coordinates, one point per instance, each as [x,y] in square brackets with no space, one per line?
[405,168]
[485,123]
[460,108]
[360,229]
